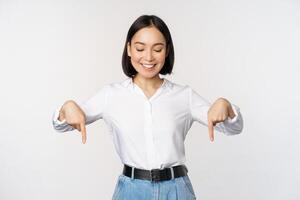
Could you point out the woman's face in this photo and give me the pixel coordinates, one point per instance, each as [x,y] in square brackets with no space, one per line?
[147,51]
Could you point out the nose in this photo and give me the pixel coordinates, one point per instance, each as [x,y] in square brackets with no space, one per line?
[149,56]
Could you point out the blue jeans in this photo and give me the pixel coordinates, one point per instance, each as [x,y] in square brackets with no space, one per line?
[136,189]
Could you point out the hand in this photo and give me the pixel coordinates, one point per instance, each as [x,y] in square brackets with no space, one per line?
[218,112]
[75,117]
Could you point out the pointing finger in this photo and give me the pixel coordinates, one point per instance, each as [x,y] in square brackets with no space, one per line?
[83,132]
[211,130]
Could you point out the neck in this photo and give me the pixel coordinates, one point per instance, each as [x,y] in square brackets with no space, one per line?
[147,83]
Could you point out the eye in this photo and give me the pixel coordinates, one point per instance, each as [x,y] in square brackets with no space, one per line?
[140,49]
[158,50]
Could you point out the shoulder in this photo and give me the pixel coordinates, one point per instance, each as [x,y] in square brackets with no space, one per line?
[115,85]
[176,86]
[187,90]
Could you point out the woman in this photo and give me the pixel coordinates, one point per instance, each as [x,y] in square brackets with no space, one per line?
[149,117]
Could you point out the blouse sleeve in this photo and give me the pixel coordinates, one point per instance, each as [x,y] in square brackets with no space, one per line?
[93,107]
[199,107]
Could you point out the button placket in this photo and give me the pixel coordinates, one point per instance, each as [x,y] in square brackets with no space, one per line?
[149,133]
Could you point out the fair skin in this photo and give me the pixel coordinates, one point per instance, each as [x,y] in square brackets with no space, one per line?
[74,116]
[147,51]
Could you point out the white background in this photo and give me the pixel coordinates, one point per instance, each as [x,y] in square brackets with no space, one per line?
[245,51]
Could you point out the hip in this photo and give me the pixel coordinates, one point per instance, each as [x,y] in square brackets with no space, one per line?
[179,188]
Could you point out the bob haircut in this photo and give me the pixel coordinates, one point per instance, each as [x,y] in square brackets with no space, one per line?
[148,21]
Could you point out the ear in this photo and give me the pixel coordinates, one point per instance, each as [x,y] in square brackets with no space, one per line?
[128,49]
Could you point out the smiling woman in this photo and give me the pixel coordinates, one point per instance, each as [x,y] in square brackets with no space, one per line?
[148,51]
[149,117]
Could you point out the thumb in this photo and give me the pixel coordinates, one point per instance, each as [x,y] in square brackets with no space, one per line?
[83,132]
[211,130]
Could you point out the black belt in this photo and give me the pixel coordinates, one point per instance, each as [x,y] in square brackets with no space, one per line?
[155,174]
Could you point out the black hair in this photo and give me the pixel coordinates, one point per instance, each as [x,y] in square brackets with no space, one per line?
[142,22]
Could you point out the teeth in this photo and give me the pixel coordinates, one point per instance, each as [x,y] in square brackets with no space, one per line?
[147,66]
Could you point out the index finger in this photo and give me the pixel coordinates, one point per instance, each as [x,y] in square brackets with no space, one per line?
[83,132]
[211,130]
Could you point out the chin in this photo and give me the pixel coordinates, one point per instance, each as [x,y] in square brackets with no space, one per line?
[148,75]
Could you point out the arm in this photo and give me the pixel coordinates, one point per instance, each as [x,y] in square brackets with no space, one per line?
[233,125]
[93,109]
[199,107]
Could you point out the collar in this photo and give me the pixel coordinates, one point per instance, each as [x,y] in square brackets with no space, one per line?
[129,83]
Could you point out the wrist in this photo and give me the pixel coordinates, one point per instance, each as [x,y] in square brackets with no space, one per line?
[231,113]
[62,110]
[61,116]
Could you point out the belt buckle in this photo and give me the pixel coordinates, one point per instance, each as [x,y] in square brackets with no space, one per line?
[154,174]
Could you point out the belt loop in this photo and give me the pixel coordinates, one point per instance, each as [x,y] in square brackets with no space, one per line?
[172,172]
[186,168]
[132,172]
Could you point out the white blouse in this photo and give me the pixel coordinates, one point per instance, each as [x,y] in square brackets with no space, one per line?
[149,133]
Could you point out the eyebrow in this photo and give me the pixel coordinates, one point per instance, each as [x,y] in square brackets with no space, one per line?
[159,43]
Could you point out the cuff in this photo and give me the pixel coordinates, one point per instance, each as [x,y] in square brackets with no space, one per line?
[56,115]
[235,110]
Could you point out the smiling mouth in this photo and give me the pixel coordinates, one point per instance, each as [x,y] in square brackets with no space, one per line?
[148,66]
